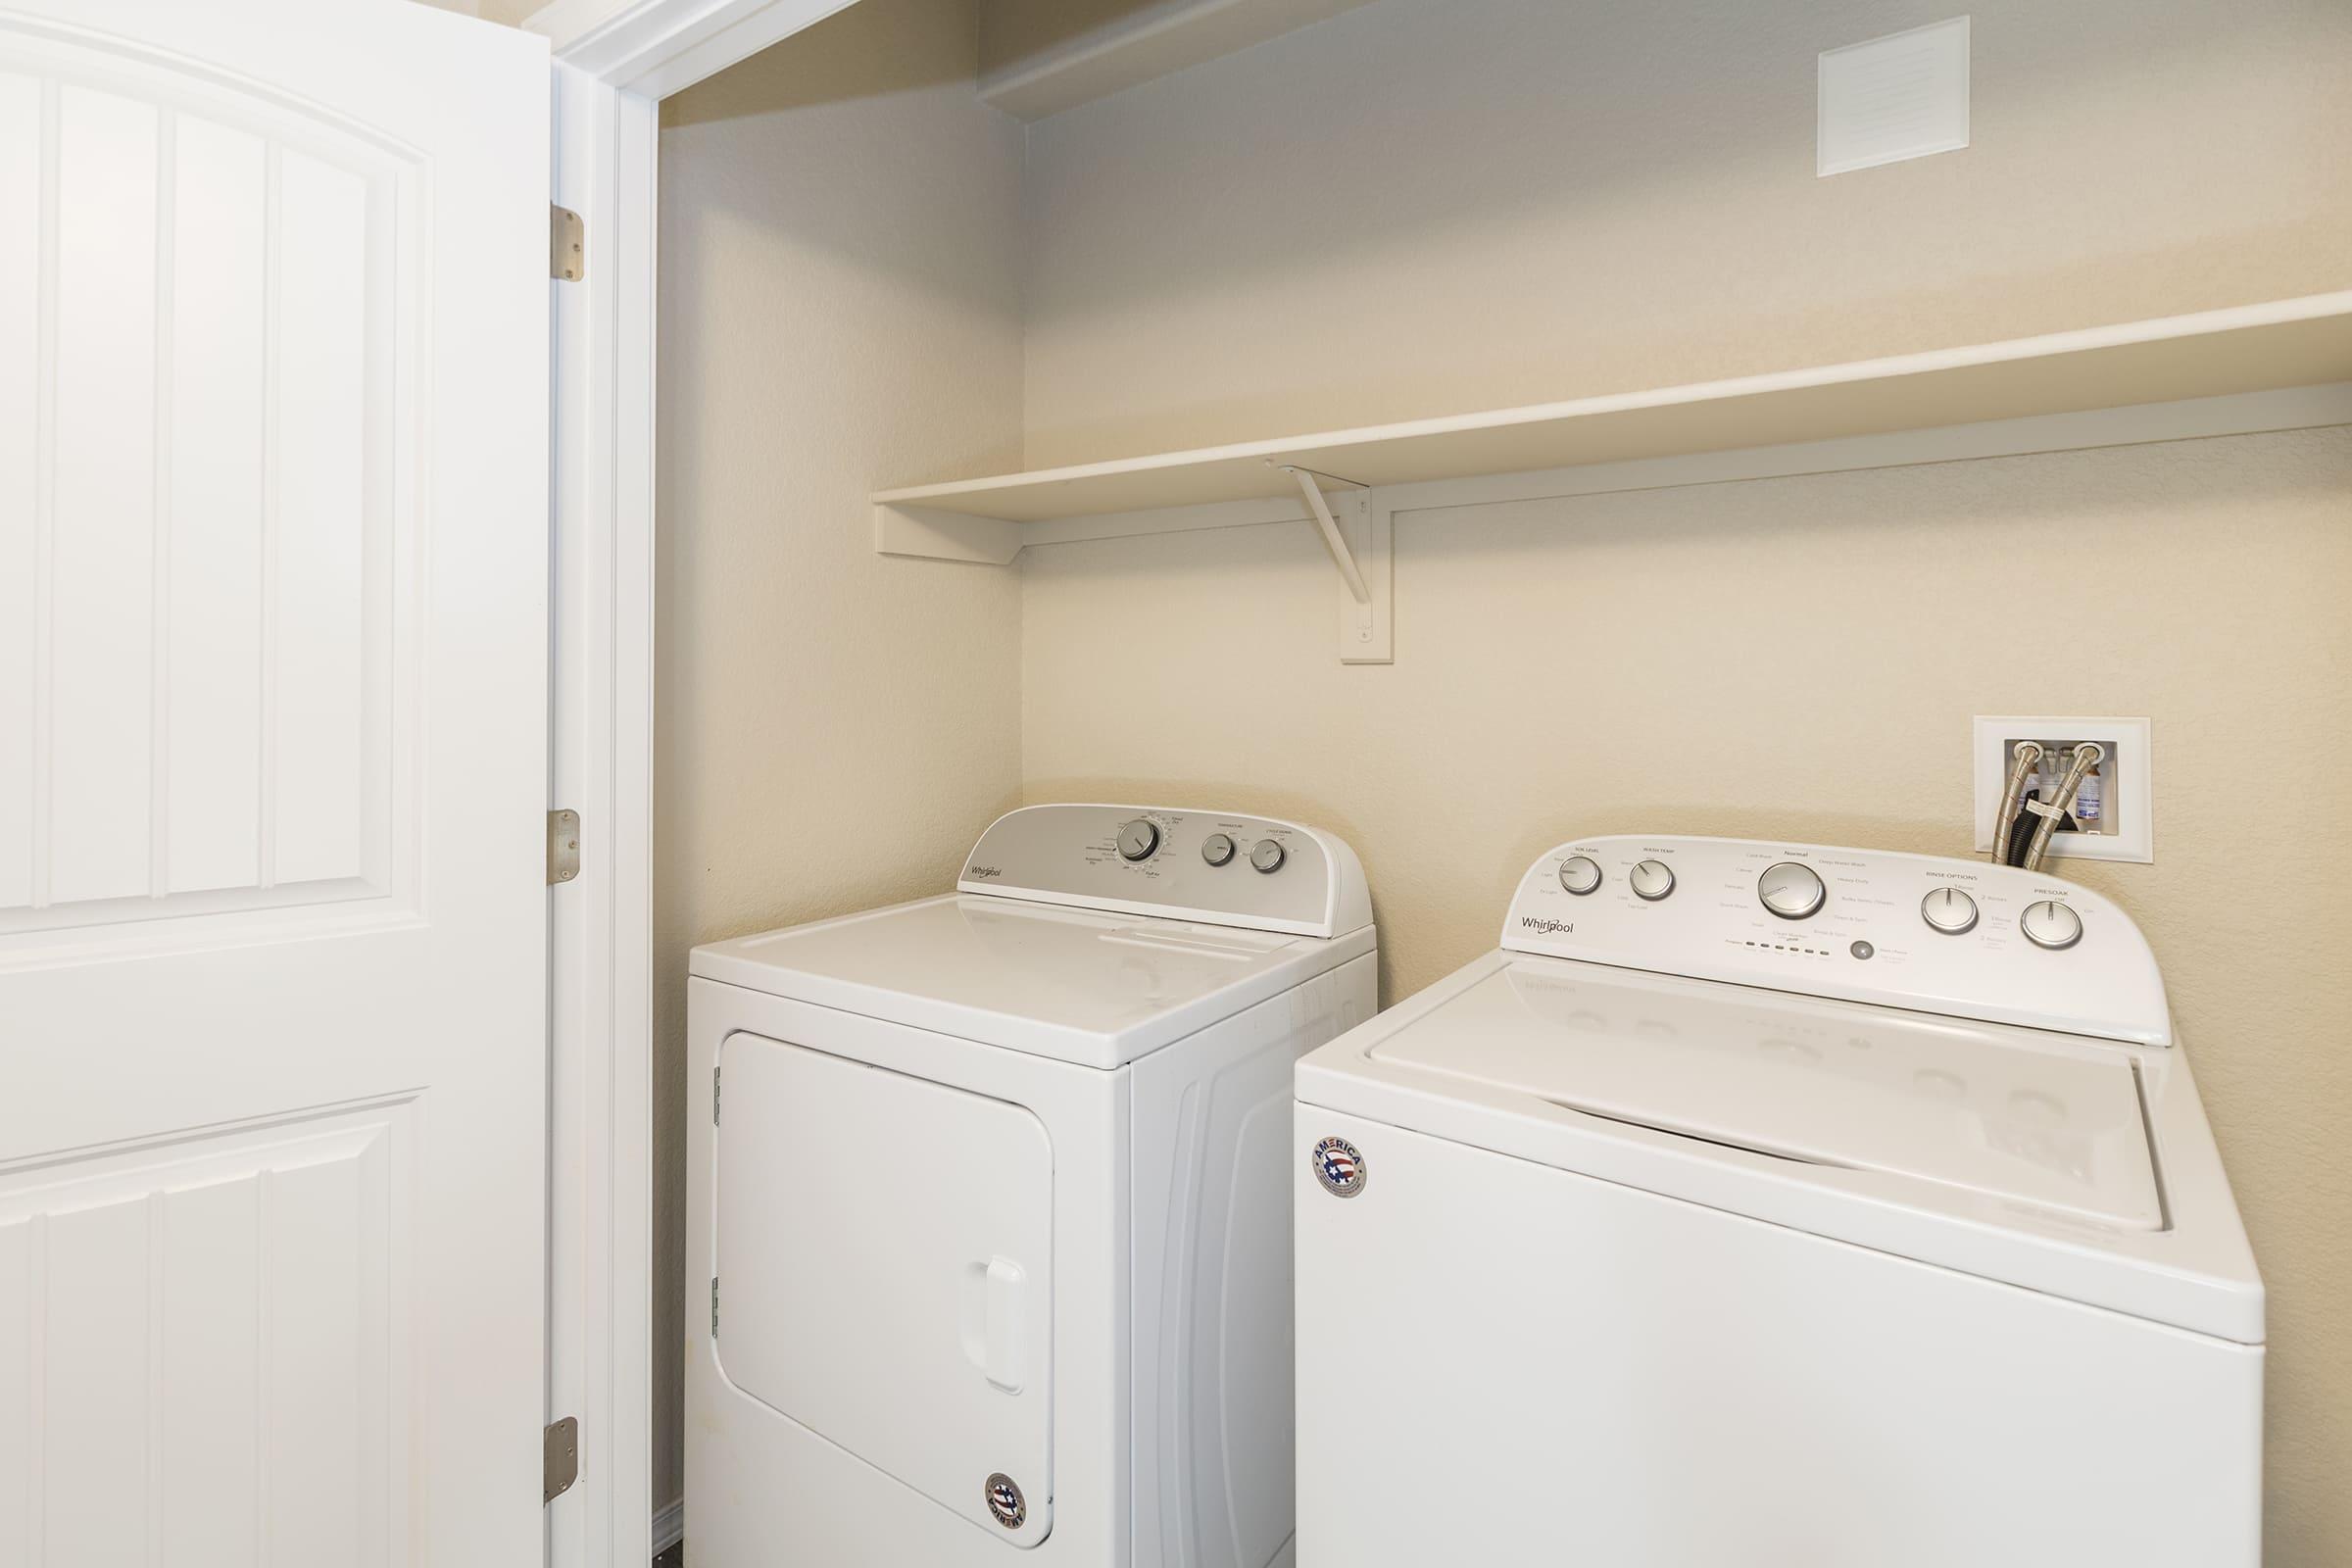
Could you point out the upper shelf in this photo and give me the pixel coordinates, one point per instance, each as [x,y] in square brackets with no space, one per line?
[2285,343]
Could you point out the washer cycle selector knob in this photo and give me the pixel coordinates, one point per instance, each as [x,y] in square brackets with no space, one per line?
[1217,848]
[1579,874]
[1790,891]
[1948,911]
[1651,880]
[1138,839]
[2051,924]
[1267,856]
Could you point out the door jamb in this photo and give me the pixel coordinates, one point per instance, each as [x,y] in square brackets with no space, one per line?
[614,61]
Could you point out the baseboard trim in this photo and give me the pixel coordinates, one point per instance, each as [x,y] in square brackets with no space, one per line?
[670,1525]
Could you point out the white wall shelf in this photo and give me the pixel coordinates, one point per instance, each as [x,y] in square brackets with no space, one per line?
[2283,365]
[2288,343]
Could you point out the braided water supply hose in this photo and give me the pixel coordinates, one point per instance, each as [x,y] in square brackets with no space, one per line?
[2027,756]
[2088,756]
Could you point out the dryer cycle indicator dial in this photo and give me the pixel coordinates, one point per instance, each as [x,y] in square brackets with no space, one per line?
[1651,880]
[1790,891]
[1217,848]
[1579,874]
[1138,839]
[1267,856]
[2051,924]
[1948,911]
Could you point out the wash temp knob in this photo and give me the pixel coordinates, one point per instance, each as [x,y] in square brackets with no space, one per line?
[1790,891]
[1651,880]
[1138,839]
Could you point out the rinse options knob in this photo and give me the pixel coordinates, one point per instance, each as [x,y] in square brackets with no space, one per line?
[2051,924]
[1790,891]
[1138,839]
[1579,874]
[1651,880]
[1948,911]
[1266,856]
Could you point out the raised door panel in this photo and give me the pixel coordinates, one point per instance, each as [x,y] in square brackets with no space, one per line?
[197,1338]
[208,313]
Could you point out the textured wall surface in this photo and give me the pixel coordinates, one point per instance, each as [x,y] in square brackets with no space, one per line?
[1425,208]
[1801,658]
[840,301]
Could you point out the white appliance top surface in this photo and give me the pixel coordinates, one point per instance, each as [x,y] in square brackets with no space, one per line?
[2007,1112]
[1080,985]
[1863,1045]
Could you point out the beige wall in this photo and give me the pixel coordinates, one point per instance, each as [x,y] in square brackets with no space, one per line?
[1421,207]
[1429,205]
[839,303]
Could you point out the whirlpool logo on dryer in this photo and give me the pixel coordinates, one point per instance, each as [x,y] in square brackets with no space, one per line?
[1548,928]
[981,873]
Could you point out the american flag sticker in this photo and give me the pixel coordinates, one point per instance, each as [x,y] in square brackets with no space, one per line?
[1339,1166]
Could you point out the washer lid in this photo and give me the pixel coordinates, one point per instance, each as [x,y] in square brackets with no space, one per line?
[2009,1113]
[1079,985]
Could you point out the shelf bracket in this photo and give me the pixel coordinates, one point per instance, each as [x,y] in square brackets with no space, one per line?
[1359,533]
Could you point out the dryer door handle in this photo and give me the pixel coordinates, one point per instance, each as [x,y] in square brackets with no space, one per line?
[1008,1305]
[1002,1289]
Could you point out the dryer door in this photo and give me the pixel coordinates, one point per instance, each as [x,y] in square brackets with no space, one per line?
[885,1273]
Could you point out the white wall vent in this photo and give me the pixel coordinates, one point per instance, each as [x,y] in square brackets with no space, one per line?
[1901,96]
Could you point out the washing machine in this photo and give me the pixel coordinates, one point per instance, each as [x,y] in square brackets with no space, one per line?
[1762,1204]
[991,1203]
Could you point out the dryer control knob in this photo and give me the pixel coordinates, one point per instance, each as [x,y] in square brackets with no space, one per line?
[2051,924]
[1138,839]
[1267,856]
[1791,891]
[1948,911]
[1217,848]
[1651,880]
[1579,874]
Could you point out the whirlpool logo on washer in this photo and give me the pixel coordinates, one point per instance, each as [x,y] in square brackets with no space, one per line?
[981,873]
[1548,928]
[1339,1166]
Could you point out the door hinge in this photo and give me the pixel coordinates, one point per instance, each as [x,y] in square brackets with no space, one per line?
[715,1307]
[563,846]
[567,244]
[560,1459]
[715,1096]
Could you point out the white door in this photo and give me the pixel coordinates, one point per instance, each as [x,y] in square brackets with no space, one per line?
[273,749]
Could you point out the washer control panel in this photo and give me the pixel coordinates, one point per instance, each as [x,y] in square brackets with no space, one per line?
[1959,937]
[1225,868]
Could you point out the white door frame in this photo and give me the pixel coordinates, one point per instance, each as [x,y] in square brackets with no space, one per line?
[616,60]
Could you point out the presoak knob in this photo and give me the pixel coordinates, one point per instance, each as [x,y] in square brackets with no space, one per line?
[1579,874]
[1139,838]
[1651,880]
[1948,911]
[2051,924]
[1791,891]
[1267,856]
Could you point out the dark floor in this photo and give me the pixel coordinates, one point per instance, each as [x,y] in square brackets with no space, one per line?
[674,1557]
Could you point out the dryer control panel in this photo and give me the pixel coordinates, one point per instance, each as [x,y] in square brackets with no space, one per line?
[1959,937]
[1222,867]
